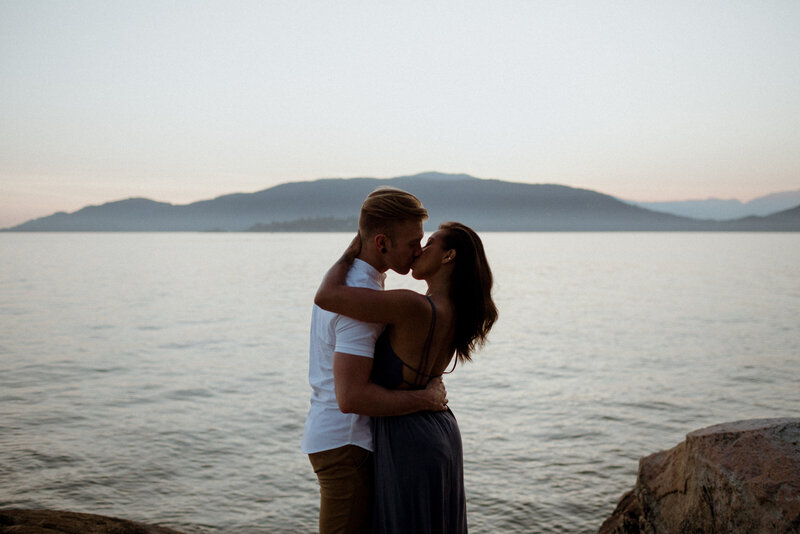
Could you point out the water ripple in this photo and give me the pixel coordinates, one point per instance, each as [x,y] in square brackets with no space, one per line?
[145,401]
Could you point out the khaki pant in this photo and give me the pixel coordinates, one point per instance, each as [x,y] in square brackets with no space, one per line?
[345,489]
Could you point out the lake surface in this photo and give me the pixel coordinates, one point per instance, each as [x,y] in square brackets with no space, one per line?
[163,377]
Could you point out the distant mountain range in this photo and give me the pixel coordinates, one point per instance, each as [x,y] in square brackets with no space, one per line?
[721,210]
[333,204]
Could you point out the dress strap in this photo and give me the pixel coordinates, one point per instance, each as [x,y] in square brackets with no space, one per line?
[431,329]
[421,375]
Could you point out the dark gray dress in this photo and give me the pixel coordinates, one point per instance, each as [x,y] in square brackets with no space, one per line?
[419,466]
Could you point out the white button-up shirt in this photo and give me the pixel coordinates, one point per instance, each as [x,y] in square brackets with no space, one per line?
[326,426]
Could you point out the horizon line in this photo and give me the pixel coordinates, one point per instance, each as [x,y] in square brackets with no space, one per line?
[446,174]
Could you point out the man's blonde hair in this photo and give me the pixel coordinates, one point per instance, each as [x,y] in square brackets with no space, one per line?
[386,206]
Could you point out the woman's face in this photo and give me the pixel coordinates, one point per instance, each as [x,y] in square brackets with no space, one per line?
[430,259]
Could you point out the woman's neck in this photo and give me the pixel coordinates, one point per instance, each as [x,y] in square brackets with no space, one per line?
[438,285]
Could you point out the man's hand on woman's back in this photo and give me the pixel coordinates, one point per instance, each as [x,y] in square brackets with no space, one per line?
[436,394]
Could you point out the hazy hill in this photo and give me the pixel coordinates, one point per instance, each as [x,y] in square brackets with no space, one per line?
[331,204]
[717,209]
[783,221]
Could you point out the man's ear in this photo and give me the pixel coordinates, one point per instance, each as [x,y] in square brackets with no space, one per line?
[380,242]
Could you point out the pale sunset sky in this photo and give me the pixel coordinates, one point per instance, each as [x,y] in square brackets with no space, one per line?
[186,100]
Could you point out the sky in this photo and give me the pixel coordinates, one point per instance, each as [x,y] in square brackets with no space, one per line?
[184,100]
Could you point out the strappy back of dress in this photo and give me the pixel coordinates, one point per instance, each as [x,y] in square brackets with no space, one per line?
[388,366]
[423,378]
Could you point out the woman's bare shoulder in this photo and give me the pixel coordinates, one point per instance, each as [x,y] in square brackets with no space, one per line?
[411,302]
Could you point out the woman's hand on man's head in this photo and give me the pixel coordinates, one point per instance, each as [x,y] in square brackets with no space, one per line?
[353,249]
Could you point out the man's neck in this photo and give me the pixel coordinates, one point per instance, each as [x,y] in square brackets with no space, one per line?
[375,262]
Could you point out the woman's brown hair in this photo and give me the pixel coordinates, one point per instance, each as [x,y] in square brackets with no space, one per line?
[470,289]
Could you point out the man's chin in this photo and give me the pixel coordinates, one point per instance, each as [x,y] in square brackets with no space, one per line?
[402,271]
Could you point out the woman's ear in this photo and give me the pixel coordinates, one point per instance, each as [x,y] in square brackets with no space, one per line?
[449,256]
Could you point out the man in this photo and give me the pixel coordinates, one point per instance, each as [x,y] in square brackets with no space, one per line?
[337,436]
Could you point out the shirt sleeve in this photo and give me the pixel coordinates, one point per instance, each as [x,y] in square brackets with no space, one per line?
[356,337]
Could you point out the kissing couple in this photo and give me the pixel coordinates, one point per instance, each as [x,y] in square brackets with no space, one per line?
[380,436]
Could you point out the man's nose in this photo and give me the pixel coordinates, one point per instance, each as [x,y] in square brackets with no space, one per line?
[417,250]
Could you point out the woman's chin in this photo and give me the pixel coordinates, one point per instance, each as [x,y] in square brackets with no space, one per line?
[415,274]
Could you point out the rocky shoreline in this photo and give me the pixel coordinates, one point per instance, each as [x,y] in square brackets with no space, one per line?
[739,478]
[61,522]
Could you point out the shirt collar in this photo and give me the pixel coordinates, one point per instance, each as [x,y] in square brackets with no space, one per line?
[371,271]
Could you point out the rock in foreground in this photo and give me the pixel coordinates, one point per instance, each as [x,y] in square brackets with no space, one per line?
[56,522]
[741,477]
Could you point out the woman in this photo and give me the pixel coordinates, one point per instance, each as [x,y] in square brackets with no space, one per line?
[419,485]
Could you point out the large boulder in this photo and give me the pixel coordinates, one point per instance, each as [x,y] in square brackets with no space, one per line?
[741,477]
[57,522]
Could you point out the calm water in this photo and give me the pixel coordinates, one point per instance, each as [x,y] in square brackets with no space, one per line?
[162,377]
